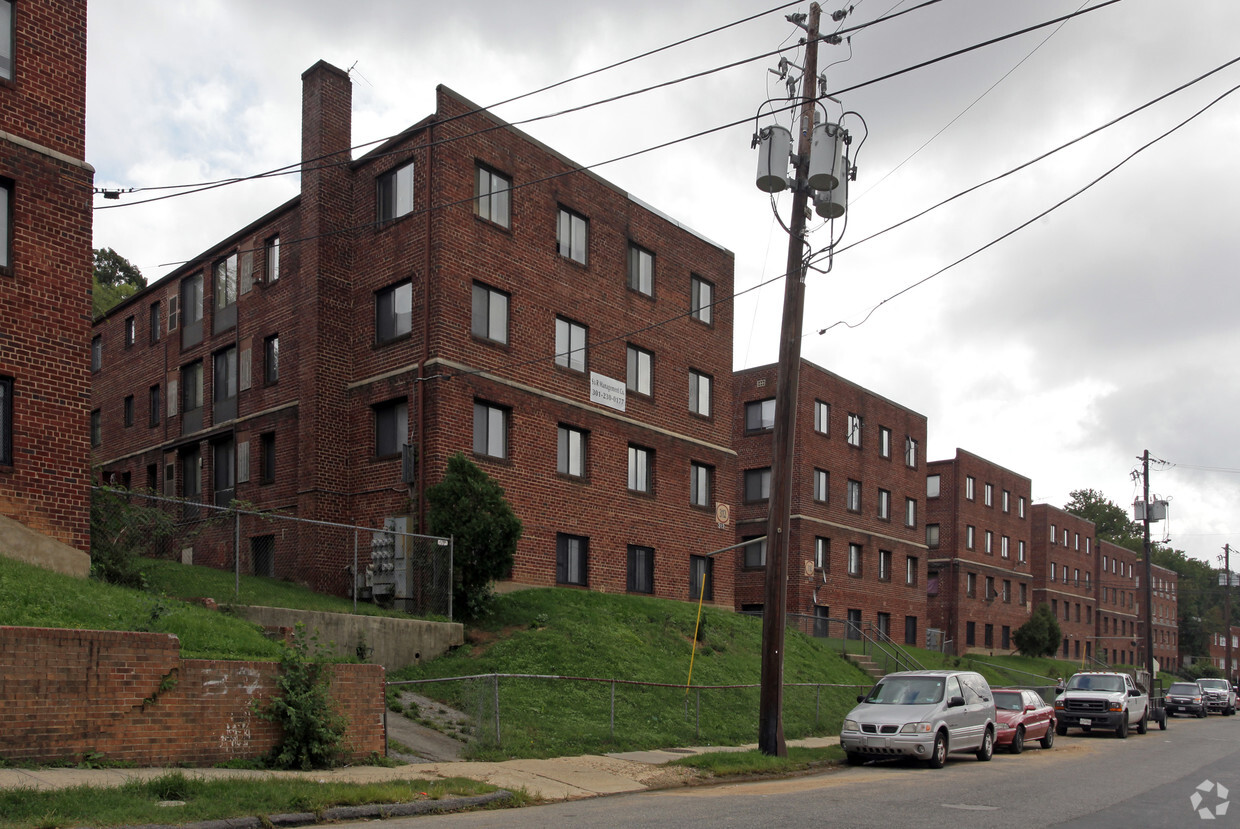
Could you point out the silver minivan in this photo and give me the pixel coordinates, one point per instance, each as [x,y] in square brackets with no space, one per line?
[922,714]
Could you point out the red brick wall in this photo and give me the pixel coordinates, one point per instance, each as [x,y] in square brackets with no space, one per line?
[1075,598]
[1118,624]
[131,698]
[45,293]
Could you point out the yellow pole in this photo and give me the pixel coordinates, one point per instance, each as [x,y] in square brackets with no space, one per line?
[696,625]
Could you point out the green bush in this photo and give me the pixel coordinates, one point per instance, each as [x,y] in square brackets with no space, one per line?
[312,729]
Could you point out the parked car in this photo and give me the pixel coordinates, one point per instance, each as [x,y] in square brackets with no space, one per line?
[922,714]
[1102,699]
[1219,695]
[1185,698]
[1022,715]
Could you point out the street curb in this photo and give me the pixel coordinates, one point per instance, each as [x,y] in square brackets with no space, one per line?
[338,813]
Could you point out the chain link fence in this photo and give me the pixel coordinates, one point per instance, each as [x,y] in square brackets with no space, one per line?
[389,566]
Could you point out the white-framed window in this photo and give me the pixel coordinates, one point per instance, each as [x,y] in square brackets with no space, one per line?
[131,331]
[822,479]
[489,313]
[822,553]
[639,376]
[570,344]
[1087,546]
[1004,549]
[493,193]
[854,559]
[760,415]
[884,505]
[970,585]
[701,299]
[699,393]
[970,533]
[571,559]
[910,512]
[990,543]
[910,570]
[822,416]
[988,495]
[573,236]
[641,469]
[393,312]
[932,536]
[884,565]
[854,430]
[272,261]
[933,482]
[490,430]
[391,427]
[1006,499]
[394,192]
[1053,533]
[1020,551]
[757,484]
[1020,506]
[884,442]
[701,484]
[570,451]
[853,500]
[970,487]
[641,270]
[910,452]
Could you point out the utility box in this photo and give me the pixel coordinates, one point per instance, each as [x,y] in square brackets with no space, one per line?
[388,577]
[1158,510]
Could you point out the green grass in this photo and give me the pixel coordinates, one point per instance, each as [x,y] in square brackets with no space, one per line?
[137,803]
[732,763]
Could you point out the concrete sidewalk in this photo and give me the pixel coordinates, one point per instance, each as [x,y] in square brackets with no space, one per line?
[560,778]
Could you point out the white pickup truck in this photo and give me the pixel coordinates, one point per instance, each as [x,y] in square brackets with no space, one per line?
[1101,699]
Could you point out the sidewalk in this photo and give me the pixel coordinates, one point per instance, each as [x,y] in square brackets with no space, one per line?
[560,778]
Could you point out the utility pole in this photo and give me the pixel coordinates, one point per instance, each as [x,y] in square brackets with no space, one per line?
[1227,605]
[771,700]
[1149,590]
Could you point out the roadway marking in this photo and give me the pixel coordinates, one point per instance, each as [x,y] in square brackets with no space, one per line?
[969,807]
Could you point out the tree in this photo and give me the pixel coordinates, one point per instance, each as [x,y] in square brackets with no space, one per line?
[1039,636]
[115,279]
[1111,521]
[470,506]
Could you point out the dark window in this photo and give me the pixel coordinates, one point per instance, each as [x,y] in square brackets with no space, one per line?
[854,623]
[699,393]
[489,318]
[128,411]
[191,311]
[96,352]
[191,387]
[701,578]
[152,477]
[273,259]
[153,322]
[822,554]
[225,289]
[6,188]
[641,270]
[932,536]
[263,555]
[490,430]
[395,193]
[494,192]
[639,376]
[759,415]
[224,465]
[822,620]
[6,40]
[570,452]
[393,312]
[570,344]
[271,358]
[701,299]
[641,569]
[391,427]
[96,428]
[701,484]
[573,236]
[757,484]
[970,633]
[755,553]
[6,421]
[641,469]
[225,385]
[131,332]
[267,469]
[910,630]
[571,559]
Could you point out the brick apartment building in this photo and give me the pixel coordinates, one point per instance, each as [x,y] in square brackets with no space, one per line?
[1166,616]
[1119,630]
[459,288]
[1218,652]
[1064,561]
[978,531]
[856,543]
[45,280]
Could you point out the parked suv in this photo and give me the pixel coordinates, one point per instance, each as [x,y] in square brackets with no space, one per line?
[924,715]
[1185,698]
[1219,695]
[1101,699]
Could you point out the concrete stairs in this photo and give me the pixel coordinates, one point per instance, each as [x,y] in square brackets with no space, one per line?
[866,664]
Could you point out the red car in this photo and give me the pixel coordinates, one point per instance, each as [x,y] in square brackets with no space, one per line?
[1022,715]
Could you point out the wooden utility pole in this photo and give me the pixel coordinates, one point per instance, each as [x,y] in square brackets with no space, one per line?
[1149,572]
[1227,606]
[771,701]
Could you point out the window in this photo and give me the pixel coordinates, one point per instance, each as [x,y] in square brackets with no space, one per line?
[224,385]
[932,536]
[1065,536]
[641,569]
[701,484]
[882,621]
[990,543]
[1007,591]
[128,411]
[153,322]
[224,469]
[822,416]
[271,359]
[854,559]
[1024,593]
[853,496]
[760,415]
[988,495]
[884,442]
[755,553]
[573,236]
[969,487]
[96,428]
[701,578]
[570,452]
[1003,547]
[191,311]
[6,40]
[910,570]
[272,263]
[6,188]
[854,623]
[154,405]
[969,532]
[641,270]
[393,312]
[641,469]
[494,193]
[1006,498]
[884,565]
[96,352]
[1020,506]
[131,332]
[1052,533]
[854,430]
[225,282]
[884,505]
[489,319]
[970,585]
[910,452]
[571,559]
[570,343]
[932,486]
[6,422]
[640,371]
[699,393]
[910,630]
[1020,552]
[701,299]
[395,193]
[822,480]
[910,512]
[970,633]
[822,554]
[490,430]
[191,387]
[267,463]
[391,427]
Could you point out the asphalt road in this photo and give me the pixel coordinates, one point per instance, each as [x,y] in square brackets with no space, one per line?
[1092,780]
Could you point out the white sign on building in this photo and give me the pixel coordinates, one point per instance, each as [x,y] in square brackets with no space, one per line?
[606,392]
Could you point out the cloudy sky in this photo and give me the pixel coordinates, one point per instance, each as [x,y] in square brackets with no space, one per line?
[1102,329]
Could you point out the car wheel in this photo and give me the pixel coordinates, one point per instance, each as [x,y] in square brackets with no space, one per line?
[1201,715]
[1162,723]
[1061,730]
[1018,741]
[1142,726]
[988,746]
[1048,739]
[938,753]
[853,758]
[1122,730]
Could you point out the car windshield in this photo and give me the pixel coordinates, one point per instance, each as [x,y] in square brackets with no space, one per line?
[1009,701]
[1084,682]
[1220,684]
[907,690]
[1182,688]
